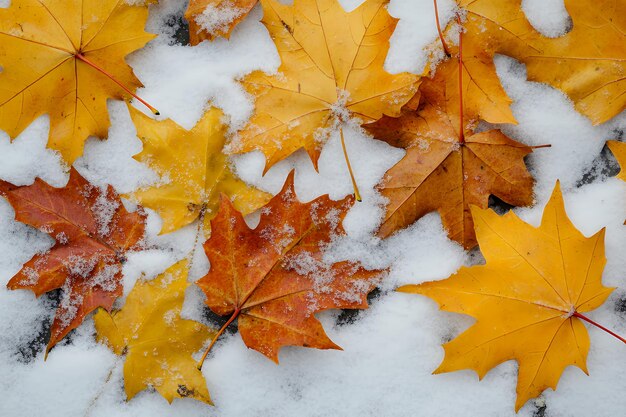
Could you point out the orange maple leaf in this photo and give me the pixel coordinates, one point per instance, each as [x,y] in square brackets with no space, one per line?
[274,278]
[92,232]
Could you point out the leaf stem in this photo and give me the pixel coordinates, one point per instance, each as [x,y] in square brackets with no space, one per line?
[541,146]
[443,41]
[599,326]
[357,194]
[92,64]
[461,126]
[219,333]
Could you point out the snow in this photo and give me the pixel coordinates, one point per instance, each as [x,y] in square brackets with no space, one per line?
[552,21]
[104,209]
[27,157]
[216,19]
[389,350]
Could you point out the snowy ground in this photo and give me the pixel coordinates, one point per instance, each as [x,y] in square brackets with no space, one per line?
[391,349]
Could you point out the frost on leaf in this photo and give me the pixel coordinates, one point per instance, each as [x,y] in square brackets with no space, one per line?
[209,19]
[274,278]
[92,232]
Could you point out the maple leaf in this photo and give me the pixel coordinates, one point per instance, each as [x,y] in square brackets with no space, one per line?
[157,342]
[92,232]
[484,97]
[209,19]
[619,150]
[527,299]
[274,278]
[194,168]
[588,63]
[332,70]
[54,56]
[440,173]
[483,38]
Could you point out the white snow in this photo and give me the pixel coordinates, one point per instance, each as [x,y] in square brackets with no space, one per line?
[391,349]
[217,18]
[551,21]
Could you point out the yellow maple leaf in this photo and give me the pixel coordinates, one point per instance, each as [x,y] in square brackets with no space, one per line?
[484,36]
[158,343]
[193,168]
[527,299]
[619,150]
[53,54]
[332,70]
[588,63]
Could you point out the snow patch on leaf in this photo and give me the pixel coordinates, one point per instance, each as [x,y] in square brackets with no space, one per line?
[104,209]
[218,18]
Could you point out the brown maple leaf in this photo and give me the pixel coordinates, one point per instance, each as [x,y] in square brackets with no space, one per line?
[438,173]
[447,166]
[92,232]
[274,278]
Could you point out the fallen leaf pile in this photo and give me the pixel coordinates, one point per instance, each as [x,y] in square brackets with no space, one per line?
[66,58]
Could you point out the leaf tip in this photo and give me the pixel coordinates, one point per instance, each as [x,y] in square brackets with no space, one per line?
[411,289]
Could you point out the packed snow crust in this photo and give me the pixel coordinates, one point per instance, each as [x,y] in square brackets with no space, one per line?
[390,349]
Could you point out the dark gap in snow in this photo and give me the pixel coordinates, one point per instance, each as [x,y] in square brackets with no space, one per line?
[28,351]
[352,315]
[180,29]
[217,321]
[498,205]
[170,23]
[604,166]
[569,25]
[540,409]
[620,302]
